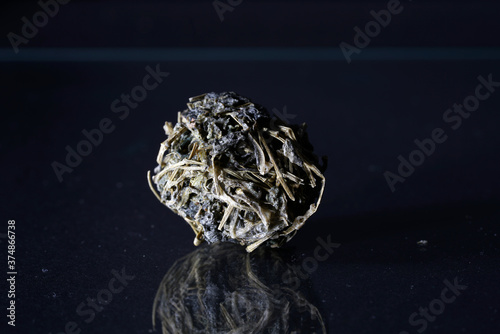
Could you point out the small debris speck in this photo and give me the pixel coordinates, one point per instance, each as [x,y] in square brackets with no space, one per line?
[422,243]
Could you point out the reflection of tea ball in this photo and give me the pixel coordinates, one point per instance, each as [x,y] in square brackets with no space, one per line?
[221,288]
[236,174]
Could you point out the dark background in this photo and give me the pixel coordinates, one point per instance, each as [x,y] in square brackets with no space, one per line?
[362,115]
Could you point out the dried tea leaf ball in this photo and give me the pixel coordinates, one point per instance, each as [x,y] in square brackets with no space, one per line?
[236,174]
